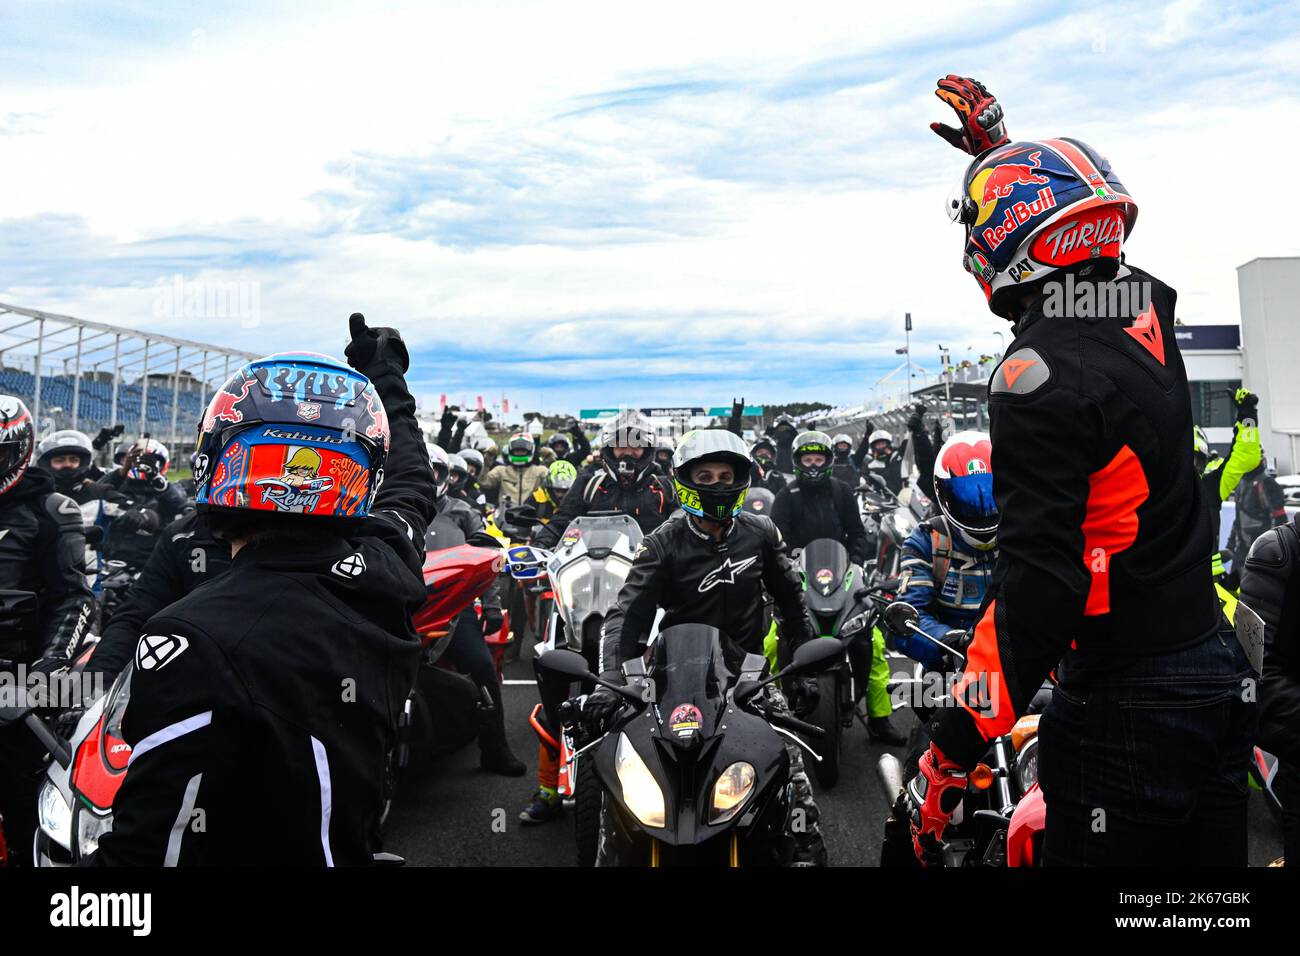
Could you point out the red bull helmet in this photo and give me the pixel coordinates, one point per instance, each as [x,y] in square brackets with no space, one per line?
[296,433]
[1037,209]
[963,487]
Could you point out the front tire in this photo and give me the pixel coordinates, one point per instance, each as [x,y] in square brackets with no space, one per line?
[586,812]
[826,715]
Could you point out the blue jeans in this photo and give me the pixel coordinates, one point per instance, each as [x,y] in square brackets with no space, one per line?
[1144,762]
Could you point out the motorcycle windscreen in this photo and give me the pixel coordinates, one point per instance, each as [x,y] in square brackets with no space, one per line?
[618,533]
[690,676]
[602,550]
[825,565]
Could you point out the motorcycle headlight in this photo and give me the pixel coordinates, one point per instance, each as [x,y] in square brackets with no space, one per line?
[568,580]
[616,567]
[855,624]
[55,816]
[90,827]
[1027,765]
[641,792]
[904,522]
[731,791]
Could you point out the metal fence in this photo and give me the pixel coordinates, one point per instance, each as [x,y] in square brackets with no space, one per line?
[73,373]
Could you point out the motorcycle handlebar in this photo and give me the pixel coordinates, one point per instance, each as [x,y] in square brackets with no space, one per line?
[795,724]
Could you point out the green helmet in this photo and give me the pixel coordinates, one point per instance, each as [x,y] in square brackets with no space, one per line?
[559,479]
[810,443]
[521,448]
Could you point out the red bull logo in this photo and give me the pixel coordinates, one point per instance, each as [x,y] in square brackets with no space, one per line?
[378,427]
[1003,178]
[1017,216]
[223,408]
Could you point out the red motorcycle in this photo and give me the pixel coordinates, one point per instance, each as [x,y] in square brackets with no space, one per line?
[443,711]
[454,578]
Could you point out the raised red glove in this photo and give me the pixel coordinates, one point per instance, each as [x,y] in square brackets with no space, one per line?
[935,792]
[982,126]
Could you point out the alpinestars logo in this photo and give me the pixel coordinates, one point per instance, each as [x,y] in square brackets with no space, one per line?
[725,573]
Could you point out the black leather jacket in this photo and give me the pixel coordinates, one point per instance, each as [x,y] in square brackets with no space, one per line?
[650,502]
[159,497]
[699,580]
[1270,586]
[43,550]
[1104,537]
[287,674]
[806,512]
[185,556]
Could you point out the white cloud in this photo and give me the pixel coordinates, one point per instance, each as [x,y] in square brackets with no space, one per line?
[570,179]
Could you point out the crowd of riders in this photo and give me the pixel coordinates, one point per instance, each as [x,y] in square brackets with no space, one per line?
[1068,544]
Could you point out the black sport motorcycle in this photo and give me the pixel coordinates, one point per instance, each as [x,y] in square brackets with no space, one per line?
[694,771]
[842,610]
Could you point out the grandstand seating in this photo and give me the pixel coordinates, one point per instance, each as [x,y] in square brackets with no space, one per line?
[96,401]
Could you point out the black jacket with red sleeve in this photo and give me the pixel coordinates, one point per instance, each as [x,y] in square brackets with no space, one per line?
[1104,540]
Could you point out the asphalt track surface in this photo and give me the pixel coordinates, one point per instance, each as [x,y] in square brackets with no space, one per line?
[458,815]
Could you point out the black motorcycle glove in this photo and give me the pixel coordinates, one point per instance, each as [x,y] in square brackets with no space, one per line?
[600,707]
[138,521]
[383,346]
[491,620]
[1247,403]
[54,668]
[805,695]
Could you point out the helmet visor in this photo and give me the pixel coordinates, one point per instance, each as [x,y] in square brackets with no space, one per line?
[12,455]
[968,501]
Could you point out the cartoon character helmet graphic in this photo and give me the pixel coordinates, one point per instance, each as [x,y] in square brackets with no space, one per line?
[256,453]
[300,485]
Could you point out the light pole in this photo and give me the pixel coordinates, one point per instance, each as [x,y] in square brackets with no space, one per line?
[907,334]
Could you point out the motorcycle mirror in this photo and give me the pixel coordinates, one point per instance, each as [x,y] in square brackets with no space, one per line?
[812,655]
[565,663]
[901,617]
[746,691]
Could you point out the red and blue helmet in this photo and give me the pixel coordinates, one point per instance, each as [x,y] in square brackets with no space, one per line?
[1037,209]
[963,487]
[295,433]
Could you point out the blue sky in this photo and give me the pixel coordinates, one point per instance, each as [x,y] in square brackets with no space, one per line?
[590,204]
